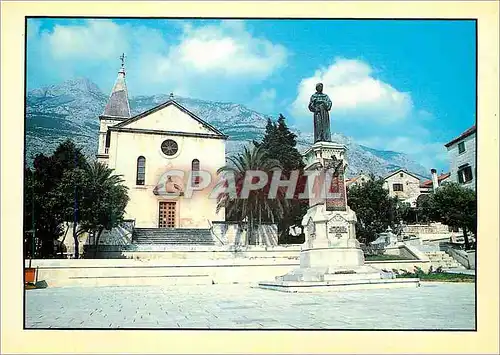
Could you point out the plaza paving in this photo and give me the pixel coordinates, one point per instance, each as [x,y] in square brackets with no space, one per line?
[431,306]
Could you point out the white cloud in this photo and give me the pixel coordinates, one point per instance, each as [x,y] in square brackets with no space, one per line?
[374,112]
[225,49]
[355,93]
[97,40]
[265,102]
[187,63]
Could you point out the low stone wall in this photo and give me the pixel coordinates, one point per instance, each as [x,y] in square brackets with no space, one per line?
[64,272]
[430,232]
[184,267]
[466,258]
[406,252]
[170,252]
[408,265]
[472,259]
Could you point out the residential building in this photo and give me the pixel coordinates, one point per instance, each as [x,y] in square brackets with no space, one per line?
[357,180]
[402,184]
[462,156]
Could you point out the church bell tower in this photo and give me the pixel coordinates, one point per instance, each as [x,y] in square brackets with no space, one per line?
[117,110]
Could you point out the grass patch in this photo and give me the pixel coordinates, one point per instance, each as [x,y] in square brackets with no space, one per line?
[385,257]
[440,277]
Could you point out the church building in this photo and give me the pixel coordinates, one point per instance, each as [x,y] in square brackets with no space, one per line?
[144,149]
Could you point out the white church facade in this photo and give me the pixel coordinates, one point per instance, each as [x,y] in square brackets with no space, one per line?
[146,148]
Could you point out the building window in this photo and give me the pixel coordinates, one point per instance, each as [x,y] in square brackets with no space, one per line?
[397,187]
[169,147]
[141,171]
[464,174]
[195,168]
[401,175]
[461,147]
[107,142]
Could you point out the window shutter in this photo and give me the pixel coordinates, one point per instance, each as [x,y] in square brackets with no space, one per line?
[460,176]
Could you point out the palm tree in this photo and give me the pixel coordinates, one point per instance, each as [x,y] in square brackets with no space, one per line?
[105,197]
[258,205]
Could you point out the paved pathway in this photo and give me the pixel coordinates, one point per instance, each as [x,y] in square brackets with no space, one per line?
[431,306]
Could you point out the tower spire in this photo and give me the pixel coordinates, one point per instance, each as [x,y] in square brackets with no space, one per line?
[118,105]
[122,68]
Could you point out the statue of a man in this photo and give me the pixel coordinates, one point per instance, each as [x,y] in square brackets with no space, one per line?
[320,104]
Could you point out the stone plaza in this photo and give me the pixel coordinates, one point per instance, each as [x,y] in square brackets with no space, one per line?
[432,306]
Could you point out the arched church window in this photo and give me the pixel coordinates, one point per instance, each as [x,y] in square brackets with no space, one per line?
[195,168]
[141,170]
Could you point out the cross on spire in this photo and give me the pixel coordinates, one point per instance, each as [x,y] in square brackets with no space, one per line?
[122,58]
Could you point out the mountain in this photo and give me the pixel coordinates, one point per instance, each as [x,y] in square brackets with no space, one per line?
[71,110]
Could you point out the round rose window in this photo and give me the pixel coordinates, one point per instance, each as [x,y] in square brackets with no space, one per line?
[169,147]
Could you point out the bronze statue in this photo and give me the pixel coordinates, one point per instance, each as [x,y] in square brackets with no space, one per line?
[320,104]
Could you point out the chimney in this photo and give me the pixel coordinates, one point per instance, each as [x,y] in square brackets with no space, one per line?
[435,182]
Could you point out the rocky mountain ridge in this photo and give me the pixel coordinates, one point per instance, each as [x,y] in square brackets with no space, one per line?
[71,110]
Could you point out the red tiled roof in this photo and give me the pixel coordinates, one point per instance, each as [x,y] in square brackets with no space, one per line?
[462,136]
[428,183]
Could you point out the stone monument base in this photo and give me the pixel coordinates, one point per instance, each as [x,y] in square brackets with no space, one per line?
[337,285]
[345,272]
[330,264]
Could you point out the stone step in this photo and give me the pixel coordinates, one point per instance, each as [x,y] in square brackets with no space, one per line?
[169,237]
[171,230]
[208,242]
[172,241]
[172,236]
[447,265]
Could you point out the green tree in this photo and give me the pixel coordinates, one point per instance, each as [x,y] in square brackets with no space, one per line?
[93,199]
[44,218]
[269,135]
[375,209]
[51,208]
[455,206]
[64,189]
[257,207]
[423,210]
[105,199]
[69,198]
[280,144]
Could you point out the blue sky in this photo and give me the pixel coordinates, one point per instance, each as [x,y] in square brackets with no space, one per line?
[406,86]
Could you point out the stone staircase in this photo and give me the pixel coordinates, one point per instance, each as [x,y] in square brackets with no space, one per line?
[441,259]
[172,236]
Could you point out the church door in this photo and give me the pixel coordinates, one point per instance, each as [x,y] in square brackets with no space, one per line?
[167,215]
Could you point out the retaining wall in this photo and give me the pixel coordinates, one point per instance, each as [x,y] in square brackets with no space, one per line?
[193,270]
[466,258]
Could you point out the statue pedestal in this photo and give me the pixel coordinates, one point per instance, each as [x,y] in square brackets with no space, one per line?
[331,258]
[323,150]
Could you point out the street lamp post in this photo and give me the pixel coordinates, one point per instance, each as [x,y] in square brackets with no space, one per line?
[33,229]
